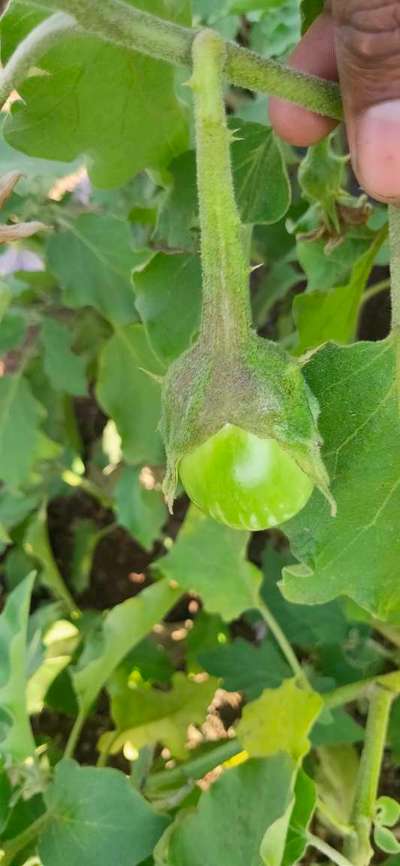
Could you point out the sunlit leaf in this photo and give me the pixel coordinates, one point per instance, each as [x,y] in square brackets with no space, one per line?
[280,721]
[148,716]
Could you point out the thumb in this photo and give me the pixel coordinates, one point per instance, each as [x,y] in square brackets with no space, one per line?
[367,34]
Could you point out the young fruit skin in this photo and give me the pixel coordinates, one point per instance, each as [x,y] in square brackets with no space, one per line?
[244,481]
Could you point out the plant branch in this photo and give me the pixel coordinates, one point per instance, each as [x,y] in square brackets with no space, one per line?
[14,846]
[75,734]
[328,851]
[354,691]
[358,847]
[374,290]
[122,24]
[31,49]
[192,770]
[283,644]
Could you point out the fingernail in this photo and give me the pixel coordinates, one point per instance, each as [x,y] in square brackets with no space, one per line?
[377,150]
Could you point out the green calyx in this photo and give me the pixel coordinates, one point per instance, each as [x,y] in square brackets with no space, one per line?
[230,376]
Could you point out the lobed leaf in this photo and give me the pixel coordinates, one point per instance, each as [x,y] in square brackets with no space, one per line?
[355,554]
[146,716]
[280,721]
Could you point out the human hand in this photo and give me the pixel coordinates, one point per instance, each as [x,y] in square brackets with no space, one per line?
[357,41]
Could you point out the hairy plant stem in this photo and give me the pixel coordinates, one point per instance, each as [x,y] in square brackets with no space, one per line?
[31,49]
[226,315]
[124,25]
[357,845]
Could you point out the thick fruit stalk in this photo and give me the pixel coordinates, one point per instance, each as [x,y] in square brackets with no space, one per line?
[231,380]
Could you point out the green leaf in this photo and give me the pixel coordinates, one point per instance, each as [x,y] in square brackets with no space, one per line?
[387,812]
[13,330]
[65,369]
[245,667]
[37,545]
[135,407]
[15,506]
[63,114]
[20,417]
[310,9]
[278,30]
[16,739]
[142,512]
[177,214]
[257,158]
[100,247]
[361,455]
[321,177]
[273,843]
[321,316]
[147,662]
[168,299]
[96,816]
[303,625]
[5,298]
[123,627]
[146,716]
[336,776]
[280,721]
[209,559]
[300,819]
[41,681]
[86,538]
[324,269]
[232,817]
[336,727]
[386,841]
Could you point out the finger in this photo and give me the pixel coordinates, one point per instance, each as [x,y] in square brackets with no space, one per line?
[368,53]
[315,54]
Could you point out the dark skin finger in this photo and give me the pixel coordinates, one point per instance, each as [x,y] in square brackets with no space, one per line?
[366,39]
